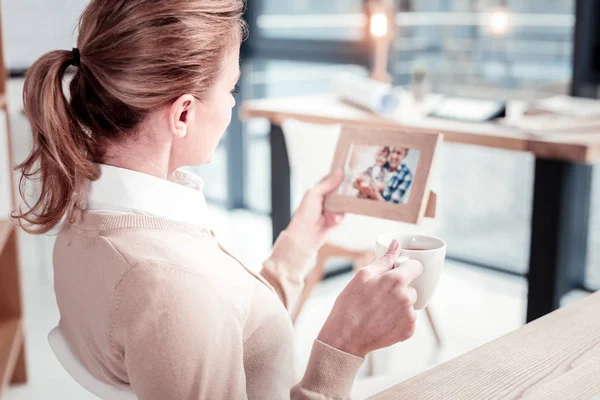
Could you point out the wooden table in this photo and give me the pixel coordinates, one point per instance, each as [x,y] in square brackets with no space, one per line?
[562,188]
[554,357]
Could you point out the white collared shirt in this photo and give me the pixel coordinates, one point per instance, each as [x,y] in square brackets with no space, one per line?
[124,191]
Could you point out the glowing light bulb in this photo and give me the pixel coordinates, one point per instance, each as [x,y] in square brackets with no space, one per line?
[379,25]
[498,22]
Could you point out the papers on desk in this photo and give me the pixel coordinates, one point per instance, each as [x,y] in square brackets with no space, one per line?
[575,107]
[469,109]
[548,124]
[557,114]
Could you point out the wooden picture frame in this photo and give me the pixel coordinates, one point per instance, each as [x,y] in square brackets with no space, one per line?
[360,143]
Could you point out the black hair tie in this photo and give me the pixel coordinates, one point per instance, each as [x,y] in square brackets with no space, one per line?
[76,60]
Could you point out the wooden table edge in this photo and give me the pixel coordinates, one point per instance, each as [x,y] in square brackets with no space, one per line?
[573,152]
[589,301]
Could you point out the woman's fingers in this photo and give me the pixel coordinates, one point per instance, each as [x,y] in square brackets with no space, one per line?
[333,219]
[386,263]
[408,272]
[409,294]
[329,183]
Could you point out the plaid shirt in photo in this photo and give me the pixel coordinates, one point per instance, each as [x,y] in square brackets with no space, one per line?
[398,184]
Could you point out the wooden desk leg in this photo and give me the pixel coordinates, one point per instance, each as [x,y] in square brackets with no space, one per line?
[281,202]
[559,233]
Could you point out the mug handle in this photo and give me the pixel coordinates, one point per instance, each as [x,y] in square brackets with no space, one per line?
[400,261]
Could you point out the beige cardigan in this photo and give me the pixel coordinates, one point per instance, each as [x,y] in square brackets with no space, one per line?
[159,305]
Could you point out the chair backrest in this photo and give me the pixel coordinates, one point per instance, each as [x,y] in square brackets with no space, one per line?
[81,375]
[310,150]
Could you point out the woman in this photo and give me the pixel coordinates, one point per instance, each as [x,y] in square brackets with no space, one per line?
[147,296]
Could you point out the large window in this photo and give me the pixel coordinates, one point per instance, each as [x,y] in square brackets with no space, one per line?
[487,48]
[312,19]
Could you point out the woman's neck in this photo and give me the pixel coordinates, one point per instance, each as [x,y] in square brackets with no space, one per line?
[151,160]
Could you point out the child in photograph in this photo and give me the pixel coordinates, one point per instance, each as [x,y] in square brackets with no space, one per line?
[375,177]
[379,171]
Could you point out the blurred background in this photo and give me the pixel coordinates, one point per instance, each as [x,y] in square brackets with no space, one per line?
[497,49]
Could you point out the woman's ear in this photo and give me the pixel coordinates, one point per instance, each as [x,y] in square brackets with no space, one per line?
[181,115]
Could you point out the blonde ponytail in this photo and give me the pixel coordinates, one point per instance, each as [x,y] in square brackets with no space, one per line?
[62,152]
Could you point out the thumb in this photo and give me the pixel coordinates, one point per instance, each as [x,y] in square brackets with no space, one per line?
[333,219]
[386,262]
[330,183]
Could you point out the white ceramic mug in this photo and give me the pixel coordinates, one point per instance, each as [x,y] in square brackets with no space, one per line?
[431,254]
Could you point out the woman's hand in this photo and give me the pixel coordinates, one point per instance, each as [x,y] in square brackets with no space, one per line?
[310,223]
[376,309]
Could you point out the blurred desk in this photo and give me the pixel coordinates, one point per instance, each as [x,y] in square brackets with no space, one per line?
[562,188]
[554,357]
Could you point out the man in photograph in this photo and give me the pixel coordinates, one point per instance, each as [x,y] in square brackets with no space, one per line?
[400,177]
